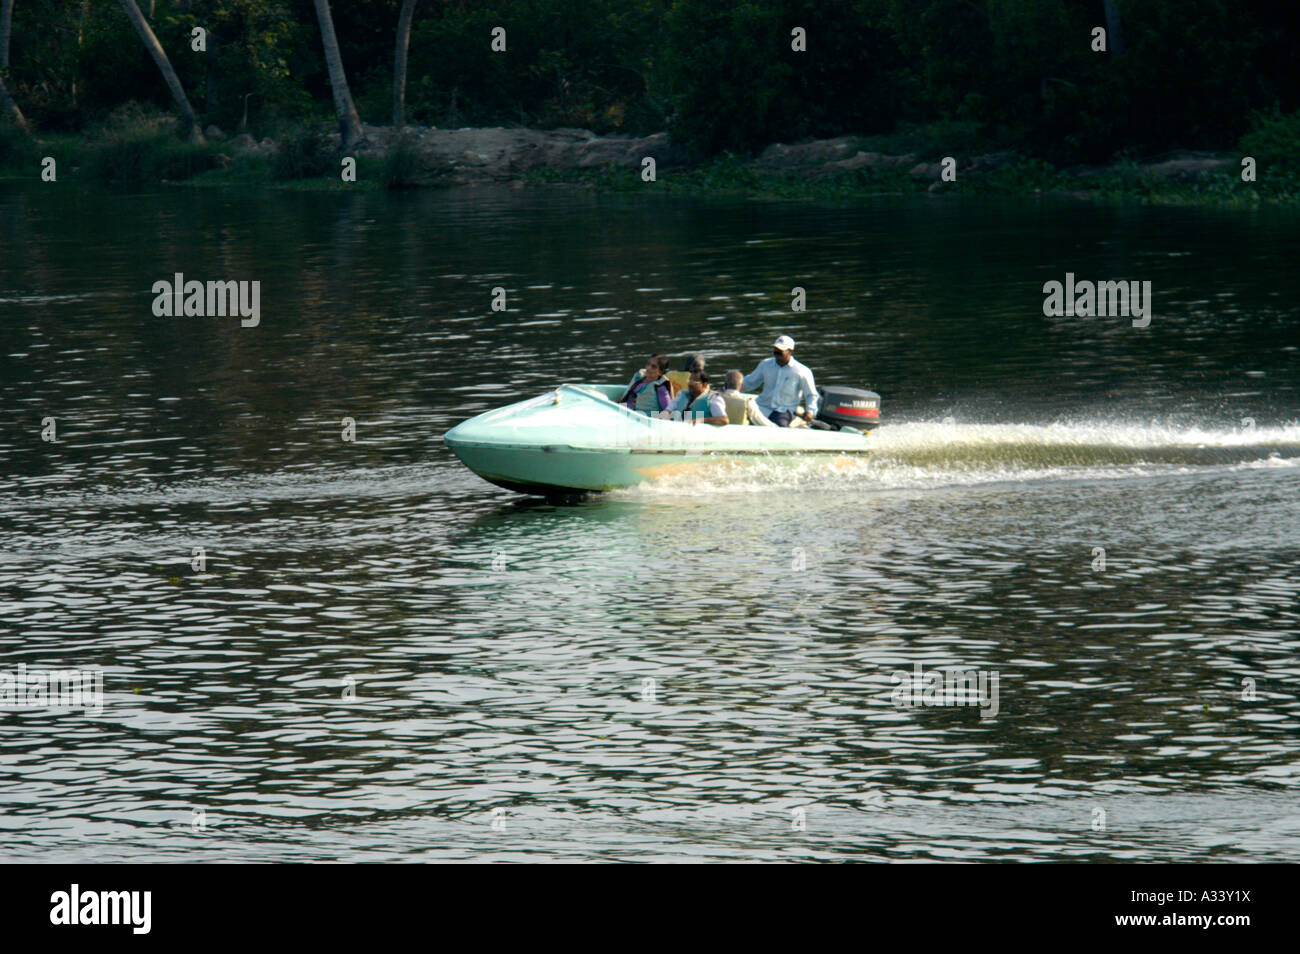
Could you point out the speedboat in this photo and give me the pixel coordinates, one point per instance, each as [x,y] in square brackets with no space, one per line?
[576,439]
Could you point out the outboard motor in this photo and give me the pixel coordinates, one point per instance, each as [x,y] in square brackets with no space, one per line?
[849,407]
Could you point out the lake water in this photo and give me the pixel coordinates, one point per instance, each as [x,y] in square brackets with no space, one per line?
[382,657]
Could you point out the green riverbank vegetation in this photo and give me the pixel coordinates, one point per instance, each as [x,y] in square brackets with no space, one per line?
[1079,96]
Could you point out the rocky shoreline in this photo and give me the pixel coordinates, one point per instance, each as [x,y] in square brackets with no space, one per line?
[827,156]
[500,154]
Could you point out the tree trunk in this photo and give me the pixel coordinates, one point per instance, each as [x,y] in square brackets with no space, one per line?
[7,104]
[211,95]
[349,121]
[1114,27]
[189,121]
[6,26]
[81,35]
[10,108]
[399,62]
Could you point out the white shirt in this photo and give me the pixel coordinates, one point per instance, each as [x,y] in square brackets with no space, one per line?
[783,387]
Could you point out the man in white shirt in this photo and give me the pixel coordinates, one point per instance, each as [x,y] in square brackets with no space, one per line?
[786,383]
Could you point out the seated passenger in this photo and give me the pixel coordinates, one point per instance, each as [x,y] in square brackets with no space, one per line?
[699,402]
[752,414]
[678,380]
[648,392]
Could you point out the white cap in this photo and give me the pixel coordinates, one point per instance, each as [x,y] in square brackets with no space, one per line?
[784,343]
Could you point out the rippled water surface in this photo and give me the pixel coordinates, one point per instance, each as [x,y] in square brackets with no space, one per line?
[385,658]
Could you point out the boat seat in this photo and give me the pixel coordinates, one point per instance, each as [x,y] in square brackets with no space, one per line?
[677,380]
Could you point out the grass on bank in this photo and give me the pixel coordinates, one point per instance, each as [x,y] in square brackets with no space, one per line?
[1274,142]
[1024,177]
[133,150]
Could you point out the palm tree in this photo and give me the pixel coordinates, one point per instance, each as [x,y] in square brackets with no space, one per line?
[1114,27]
[7,105]
[81,37]
[6,25]
[349,121]
[399,62]
[189,121]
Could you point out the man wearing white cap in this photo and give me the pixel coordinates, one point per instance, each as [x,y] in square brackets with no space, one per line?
[786,383]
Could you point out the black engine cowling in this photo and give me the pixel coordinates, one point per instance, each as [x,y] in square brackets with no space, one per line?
[849,407]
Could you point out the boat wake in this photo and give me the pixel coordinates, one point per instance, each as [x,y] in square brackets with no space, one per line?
[927,454]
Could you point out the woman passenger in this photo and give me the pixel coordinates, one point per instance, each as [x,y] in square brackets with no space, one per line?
[649,392]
